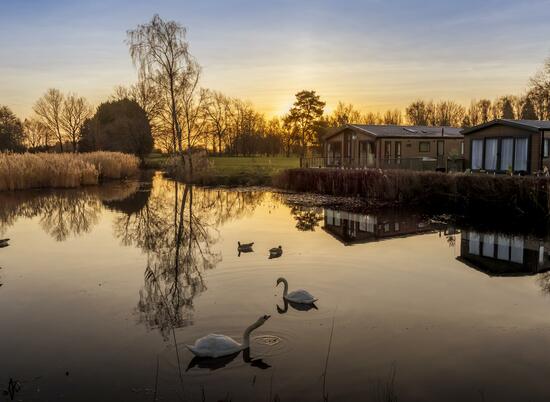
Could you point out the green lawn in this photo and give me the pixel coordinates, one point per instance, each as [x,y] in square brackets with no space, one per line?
[228,165]
[237,170]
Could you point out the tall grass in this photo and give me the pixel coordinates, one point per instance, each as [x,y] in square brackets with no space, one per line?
[112,165]
[460,191]
[66,170]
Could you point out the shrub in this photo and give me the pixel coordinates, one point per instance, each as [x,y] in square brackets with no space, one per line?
[120,126]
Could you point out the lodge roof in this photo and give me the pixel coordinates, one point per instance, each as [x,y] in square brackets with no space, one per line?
[394,131]
[529,125]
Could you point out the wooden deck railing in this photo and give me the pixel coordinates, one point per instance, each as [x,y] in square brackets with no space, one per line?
[422,163]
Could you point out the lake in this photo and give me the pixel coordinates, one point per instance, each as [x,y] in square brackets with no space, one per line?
[103,287]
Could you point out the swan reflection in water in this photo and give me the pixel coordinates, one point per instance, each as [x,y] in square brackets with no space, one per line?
[220,362]
[295,306]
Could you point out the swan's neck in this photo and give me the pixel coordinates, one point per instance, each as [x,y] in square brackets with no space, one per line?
[246,335]
[285,283]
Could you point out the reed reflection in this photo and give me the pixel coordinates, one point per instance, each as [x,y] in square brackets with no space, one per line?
[62,213]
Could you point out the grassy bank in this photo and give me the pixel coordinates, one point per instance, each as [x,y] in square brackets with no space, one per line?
[66,170]
[234,170]
[461,193]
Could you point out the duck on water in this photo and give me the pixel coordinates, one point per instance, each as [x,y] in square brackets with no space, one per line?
[244,247]
[275,252]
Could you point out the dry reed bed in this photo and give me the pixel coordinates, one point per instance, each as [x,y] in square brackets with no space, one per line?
[66,170]
[460,191]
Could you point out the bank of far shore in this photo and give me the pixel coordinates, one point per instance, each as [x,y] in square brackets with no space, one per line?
[232,170]
[479,194]
[500,196]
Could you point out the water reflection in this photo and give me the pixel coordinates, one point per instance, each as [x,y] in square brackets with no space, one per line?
[499,254]
[176,232]
[177,229]
[352,228]
[307,218]
[220,362]
[417,289]
[62,213]
[295,306]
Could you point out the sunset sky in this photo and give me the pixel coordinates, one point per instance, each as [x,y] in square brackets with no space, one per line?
[377,54]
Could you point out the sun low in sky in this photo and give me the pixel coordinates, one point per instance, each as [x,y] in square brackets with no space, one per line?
[373,53]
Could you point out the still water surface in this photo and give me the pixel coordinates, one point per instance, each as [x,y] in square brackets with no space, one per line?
[103,287]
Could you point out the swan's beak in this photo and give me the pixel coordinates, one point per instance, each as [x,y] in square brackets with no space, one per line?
[267,317]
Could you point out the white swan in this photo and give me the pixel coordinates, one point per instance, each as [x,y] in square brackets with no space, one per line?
[215,345]
[298,296]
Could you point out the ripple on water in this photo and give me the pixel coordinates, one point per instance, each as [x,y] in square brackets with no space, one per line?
[271,345]
[269,340]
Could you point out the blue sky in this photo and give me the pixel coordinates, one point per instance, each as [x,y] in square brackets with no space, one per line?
[376,54]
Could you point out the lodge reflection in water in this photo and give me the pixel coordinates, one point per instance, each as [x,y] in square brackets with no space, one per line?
[499,254]
[350,227]
[496,254]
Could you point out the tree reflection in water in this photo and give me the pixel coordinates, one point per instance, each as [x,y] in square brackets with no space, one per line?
[307,218]
[177,229]
[62,213]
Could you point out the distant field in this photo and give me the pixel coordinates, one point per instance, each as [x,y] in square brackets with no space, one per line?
[238,170]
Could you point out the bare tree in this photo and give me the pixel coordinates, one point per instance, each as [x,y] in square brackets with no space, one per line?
[418,113]
[76,110]
[449,113]
[193,101]
[36,133]
[49,109]
[372,118]
[148,96]
[392,117]
[539,91]
[161,51]
[344,113]
[218,111]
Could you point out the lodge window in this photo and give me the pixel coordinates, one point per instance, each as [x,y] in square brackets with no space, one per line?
[546,147]
[424,146]
[397,149]
[500,154]
[491,145]
[506,152]
[387,150]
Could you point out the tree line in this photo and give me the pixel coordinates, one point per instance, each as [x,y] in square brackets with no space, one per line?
[168,106]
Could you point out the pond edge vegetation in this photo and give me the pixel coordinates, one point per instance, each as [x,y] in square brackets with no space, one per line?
[463,193]
[64,170]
